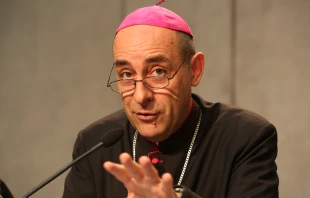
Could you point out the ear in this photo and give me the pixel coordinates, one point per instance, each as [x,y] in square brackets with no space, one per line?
[197,67]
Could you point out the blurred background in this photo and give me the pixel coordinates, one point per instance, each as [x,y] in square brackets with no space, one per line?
[55,57]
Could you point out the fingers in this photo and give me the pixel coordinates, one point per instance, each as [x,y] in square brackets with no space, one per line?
[139,178]
[150,171]
[133,168]
[167,180]
[118,171]
[167,183]
[129,169]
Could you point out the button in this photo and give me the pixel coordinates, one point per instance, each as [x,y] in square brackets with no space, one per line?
[155,161]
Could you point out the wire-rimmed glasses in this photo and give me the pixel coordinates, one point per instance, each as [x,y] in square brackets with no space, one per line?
[151,82]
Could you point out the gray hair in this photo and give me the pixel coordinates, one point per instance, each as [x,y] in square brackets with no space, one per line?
[186,46]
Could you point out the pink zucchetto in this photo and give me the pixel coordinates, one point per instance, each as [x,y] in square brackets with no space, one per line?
[155,16]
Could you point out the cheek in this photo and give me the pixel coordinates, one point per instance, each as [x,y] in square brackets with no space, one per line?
[166,95]
[127,98]
[181,86]
[175,90]
[168,102]
[174,96]
[126,103]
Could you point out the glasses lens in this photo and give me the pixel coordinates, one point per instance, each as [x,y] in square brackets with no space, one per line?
[156,82]
[122,85]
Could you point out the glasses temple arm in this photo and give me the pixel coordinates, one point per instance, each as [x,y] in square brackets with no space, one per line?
[108,82]
[175,73]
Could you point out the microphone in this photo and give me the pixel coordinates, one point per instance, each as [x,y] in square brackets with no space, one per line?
[107,140]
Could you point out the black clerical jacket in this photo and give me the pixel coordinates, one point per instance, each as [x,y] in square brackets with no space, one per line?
[233,155]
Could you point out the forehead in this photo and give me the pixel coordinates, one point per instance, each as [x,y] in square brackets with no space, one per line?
[142,40]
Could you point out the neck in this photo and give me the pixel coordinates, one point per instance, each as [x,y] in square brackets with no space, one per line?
[186,118]
[180,139]
[183,135]
[189,111]
[191,115]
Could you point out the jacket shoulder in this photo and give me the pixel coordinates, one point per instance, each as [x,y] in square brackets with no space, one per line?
[93,132]
[236,121]
[242,126]
[240,116]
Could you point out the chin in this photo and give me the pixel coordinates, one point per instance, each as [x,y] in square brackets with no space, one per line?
[153,133]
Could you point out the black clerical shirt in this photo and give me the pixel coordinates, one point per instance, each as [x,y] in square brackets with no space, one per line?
[233,155]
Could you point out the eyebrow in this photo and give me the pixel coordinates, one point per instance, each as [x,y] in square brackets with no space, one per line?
[118,63]
[149,60]
[156,59]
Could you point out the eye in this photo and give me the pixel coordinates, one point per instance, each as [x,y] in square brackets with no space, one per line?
[159,72]
[126,75]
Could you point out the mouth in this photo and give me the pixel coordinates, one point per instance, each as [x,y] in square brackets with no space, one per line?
[147,117]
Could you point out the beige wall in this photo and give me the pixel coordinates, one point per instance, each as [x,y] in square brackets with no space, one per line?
[55,57]
[273,64]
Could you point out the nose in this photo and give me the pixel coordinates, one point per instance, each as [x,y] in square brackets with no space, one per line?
[142,95]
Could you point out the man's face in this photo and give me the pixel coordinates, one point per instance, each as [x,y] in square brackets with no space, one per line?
[142,51]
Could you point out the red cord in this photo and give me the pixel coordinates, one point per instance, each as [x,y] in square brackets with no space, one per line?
[160,2]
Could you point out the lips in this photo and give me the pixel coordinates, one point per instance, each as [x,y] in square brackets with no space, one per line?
[146,117]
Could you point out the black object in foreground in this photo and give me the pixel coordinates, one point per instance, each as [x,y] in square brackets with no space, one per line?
[108,139]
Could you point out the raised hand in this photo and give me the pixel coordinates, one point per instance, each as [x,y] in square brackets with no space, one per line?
[141,179]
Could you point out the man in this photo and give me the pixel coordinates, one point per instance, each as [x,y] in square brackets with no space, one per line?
[175,144]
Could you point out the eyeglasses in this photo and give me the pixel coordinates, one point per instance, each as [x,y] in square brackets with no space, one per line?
[151,82]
